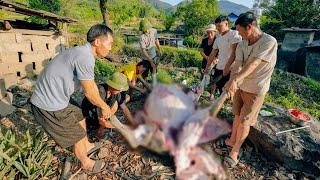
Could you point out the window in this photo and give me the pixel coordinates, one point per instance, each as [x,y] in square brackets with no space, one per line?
[20,56]
[34,65]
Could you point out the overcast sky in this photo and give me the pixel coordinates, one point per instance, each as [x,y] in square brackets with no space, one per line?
[248,3]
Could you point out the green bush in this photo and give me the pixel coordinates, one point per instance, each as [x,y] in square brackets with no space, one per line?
[25,156]
[192,41]
[131,51]
[168,22]
[103,70]
[178,57]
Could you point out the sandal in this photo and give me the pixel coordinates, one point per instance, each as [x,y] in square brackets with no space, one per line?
[229,162]
[96,148]
[98,167]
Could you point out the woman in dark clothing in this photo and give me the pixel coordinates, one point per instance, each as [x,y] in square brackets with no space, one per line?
[206,47]
[207,44]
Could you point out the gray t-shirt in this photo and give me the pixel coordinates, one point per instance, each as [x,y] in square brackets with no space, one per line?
[258,82]
[61,78]
[148,42]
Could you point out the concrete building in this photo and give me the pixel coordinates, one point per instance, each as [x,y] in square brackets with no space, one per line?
[299,53]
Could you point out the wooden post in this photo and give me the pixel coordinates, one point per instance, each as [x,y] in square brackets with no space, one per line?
[65,32]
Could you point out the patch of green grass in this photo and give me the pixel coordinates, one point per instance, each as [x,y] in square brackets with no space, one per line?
[164,77]
[294,91]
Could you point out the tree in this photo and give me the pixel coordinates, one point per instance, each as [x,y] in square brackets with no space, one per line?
[293,13]
[46,5]
[168,22]
[104,11]
[197,14]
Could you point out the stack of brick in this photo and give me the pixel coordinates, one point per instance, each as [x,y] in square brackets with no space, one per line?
[24,53]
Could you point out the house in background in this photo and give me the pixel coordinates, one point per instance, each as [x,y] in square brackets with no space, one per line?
[26,47]
[233,17]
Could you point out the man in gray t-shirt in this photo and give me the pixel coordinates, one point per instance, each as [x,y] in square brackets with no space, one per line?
[67,72]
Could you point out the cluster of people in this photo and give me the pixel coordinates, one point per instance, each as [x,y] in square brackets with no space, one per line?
[243,61]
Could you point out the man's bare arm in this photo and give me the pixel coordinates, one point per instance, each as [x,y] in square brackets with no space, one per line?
[127,112]
[247,69]
[158,44]
[212,58]
[145,84]
[232,85]
[231,59]
[203,54]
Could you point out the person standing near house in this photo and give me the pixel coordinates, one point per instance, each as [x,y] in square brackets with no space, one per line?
[224,48]
[206,47]
[254,63]
[148,43]
[66,73]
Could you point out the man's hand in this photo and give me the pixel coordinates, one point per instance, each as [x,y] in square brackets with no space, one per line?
[159,52]
[206,71]
[231,87]
[105,123]
[226,71]
[144,91]
[106,113]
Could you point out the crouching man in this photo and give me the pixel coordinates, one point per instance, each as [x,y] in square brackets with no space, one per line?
[254,63]
[113,93]
[134,73]
[68,71]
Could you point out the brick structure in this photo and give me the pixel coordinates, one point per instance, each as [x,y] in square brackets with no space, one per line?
[26,48]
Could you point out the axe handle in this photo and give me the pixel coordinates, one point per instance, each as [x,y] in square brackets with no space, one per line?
[218,103]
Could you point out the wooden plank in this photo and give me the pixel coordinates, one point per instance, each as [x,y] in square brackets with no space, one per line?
[22,9]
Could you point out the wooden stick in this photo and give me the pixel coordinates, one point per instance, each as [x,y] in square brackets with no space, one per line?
[289,130]
[217,105]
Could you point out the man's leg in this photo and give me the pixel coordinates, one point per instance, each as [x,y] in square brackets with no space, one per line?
[81,148]
[235,125]
[237,105]
[213,90]
[242,134]
[88,145]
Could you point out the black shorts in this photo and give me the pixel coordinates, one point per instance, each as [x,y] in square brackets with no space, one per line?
[62,125]
[145,74]
[223,79]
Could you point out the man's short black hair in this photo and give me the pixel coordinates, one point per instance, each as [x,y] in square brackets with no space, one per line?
[144,64]
[98,30]
[245,19]
[221,19]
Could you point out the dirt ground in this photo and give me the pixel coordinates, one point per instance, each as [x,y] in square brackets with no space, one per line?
[126,163]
